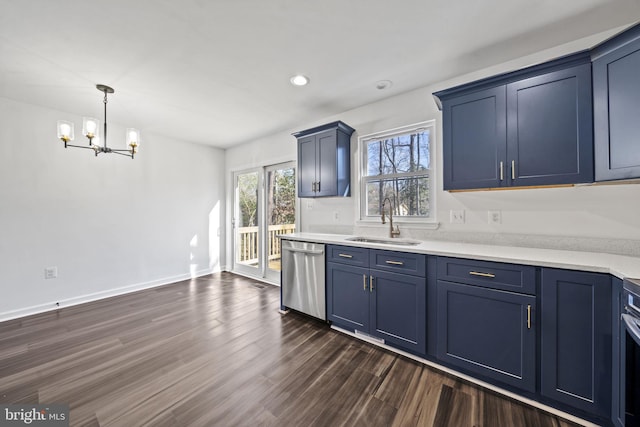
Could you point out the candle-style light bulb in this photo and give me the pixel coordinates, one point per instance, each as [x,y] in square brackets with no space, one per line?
[133,139]
[90,128]
[65,130]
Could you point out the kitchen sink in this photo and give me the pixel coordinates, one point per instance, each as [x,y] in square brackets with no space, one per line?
[384,241]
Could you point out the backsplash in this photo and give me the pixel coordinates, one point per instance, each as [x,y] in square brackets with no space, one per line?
[626,247]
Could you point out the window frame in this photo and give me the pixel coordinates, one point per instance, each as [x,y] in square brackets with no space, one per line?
[363,178]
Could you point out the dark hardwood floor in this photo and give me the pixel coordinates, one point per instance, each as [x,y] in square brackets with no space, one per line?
[214,351]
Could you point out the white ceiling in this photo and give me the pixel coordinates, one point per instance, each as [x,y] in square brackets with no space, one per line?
[217,72]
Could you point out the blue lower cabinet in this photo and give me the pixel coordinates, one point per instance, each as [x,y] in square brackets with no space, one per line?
[379,302]
[488,332]
[398,310]
[576,329]
[348,296]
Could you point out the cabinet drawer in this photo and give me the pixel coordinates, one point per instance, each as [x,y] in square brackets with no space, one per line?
[348,255]
[399,262]
[495,275]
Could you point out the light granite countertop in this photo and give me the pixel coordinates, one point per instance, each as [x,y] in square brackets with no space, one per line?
[618,265]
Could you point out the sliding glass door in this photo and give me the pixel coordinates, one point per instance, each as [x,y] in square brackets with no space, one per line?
[246,223]
[265,206]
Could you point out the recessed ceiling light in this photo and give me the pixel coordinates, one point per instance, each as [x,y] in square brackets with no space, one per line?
[299,80]
[384,84]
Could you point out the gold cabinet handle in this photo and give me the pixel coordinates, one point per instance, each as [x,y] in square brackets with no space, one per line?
[370,283]
[395,262]
[345,255]
[477,273]
[501,171]
[513,169]
[364,282]
[529,317]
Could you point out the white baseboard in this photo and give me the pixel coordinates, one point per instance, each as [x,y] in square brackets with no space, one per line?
[81,299]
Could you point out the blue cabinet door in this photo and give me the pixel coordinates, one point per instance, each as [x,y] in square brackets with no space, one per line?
[488,332]
[475,140]
[326,164]
[348,296]
[398,310]
[306,166]
[616,107]
[549,128]
[576,339]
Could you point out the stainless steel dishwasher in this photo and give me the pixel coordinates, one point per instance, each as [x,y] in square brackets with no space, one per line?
[302,287]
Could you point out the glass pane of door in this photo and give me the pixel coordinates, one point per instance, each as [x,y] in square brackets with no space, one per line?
[247,220]
[280,212]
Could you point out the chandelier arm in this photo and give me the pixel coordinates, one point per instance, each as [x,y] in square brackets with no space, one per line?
[122,154]
[78,146]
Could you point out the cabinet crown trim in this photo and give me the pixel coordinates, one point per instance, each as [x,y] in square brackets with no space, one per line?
[340,125]
[614,42]
[582,57]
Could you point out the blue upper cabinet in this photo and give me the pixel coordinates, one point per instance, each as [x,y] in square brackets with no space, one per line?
[616,106]
[475,132]
[324,165]
[549,128]
[531,127]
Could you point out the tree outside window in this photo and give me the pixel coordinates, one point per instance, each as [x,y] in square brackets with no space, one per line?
[398,167]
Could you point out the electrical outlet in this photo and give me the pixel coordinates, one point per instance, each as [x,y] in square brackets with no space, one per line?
[456,217]
[336,216]
[50,272]
[495,217]
[309,204]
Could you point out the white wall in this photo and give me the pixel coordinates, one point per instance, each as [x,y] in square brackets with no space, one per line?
[109,224]
[596,214]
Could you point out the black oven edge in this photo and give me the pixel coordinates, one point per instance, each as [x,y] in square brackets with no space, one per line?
[626,408]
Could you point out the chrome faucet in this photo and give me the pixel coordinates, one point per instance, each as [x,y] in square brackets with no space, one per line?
[392,232]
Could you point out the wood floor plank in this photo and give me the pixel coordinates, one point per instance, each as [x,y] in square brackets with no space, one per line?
[214,351]
[454,408]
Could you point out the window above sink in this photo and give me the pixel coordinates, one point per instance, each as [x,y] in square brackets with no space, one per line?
[398,164]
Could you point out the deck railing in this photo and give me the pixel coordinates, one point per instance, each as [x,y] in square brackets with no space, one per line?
[248,242]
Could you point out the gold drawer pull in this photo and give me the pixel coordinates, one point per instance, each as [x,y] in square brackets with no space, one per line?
[364,282]
[345,255]
[528,317]
[395,262]
[477,273]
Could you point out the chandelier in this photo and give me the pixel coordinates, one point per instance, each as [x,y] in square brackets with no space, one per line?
[90,129]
